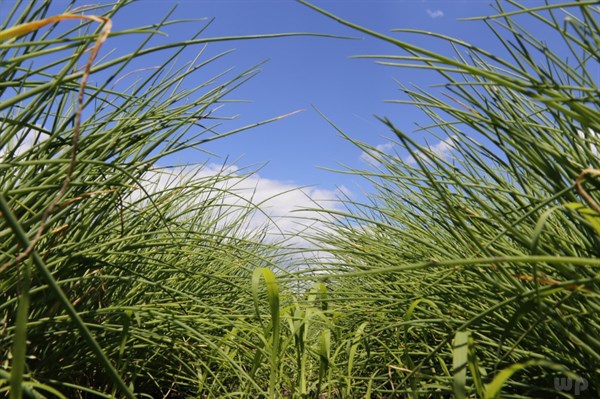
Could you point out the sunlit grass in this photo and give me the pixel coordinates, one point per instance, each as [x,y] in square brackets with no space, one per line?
[474,263]
[471,272]
[140,284]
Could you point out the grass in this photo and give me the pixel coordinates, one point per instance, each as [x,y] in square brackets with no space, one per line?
[470,266]
[472,273]
[135,283]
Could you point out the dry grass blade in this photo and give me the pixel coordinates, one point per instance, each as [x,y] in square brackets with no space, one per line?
[578,183]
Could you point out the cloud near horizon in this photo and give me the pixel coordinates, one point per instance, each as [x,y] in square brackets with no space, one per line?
[276,206]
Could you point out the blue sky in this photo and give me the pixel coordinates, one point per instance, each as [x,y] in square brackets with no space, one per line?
[302,73]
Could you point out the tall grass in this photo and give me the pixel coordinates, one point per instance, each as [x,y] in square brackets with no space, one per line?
[140,284]
[474,272]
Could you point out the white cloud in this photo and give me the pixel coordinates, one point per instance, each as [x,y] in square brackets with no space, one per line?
[269,204]
[435,13]
[22,141]
[442,150]
[279,203]
[373,157]
[591,137]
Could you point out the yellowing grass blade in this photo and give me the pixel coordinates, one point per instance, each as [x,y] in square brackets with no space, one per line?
[23,29]
[590,201]
[589,214]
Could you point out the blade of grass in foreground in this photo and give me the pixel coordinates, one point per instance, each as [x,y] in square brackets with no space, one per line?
[60,295]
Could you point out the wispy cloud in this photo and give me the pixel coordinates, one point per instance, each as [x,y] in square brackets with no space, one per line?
[435,13]
[442,149]
[373,157]
[270,205]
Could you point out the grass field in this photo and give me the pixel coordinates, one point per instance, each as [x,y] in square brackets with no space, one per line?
[469,275]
